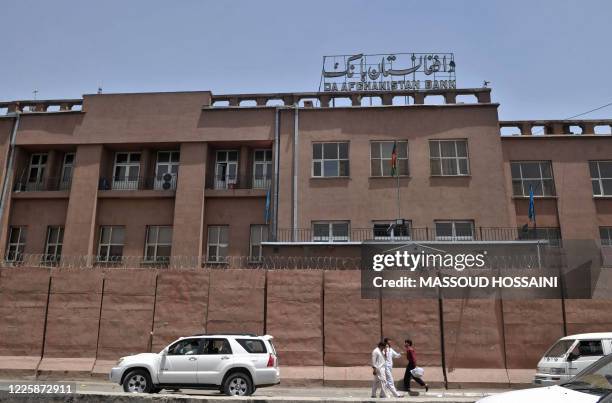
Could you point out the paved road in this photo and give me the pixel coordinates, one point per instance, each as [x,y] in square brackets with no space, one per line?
[279,393]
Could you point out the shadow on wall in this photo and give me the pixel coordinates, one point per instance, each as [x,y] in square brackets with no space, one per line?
[317,317]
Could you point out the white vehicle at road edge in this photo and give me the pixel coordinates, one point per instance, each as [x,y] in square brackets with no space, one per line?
[235,364]
[592,385]
[570,355]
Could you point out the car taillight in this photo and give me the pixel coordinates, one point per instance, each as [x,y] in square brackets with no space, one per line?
[270,360]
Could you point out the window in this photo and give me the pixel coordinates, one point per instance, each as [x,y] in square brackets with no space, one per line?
[262,169]
[550,234]
[391,230]
[126,171]
[605,234]
[53,246]
[186,347]
[16,244]
[259,234]
[449,157]
[590,348]
[454,230]
[110,248]
[166,170]
[36,171]
[253,346]
[330,159]
[536,175]
[67,168]
[330,231]
[158,243]
[217,243]
[601,177]
[217,346]
[226,169]
[380,157]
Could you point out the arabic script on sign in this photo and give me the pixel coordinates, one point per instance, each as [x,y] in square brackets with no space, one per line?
[389,72]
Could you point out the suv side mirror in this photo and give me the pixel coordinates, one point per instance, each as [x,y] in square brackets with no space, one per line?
[572,357]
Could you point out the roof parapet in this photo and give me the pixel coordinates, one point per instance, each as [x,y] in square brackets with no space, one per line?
[42,105]
[556,127]
[326,99]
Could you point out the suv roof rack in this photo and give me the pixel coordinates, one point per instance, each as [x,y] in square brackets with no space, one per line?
[226,334]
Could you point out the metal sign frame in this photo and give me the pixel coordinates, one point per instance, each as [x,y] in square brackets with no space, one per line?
[388,72]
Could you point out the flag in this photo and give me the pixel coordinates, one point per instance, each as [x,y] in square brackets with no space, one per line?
[531,214]
[267,213]
[394,159]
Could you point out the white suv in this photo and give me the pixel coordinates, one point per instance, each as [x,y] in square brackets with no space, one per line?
[236,364]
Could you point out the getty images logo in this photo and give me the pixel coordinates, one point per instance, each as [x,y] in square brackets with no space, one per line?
[411,261]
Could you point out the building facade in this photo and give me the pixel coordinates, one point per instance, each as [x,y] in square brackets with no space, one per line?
[193,178]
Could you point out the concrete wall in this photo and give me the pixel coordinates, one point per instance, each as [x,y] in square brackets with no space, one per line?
[317,317]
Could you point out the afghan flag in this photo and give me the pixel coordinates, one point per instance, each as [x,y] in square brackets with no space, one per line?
[394,159]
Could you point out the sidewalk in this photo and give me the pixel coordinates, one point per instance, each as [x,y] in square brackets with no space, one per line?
[108,392]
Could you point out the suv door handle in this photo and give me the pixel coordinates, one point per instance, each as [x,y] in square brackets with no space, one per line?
[225,357]
[192,358]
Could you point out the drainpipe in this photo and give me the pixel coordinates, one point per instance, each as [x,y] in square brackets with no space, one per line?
[276,176]
[8,168]
[296,133]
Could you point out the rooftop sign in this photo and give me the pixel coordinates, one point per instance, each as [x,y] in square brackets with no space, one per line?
[388,72]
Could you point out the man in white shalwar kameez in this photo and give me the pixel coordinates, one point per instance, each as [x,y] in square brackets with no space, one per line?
[390,355]
[378,370]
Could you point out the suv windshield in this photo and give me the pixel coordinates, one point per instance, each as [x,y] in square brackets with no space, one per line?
[596,379]
[559,348]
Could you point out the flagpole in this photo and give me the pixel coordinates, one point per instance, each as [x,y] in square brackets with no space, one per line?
[399,211]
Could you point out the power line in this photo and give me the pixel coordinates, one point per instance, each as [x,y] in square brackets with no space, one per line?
[581,114]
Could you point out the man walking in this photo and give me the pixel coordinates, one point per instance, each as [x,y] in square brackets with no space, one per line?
[390,354]
[378,370]
[412,364]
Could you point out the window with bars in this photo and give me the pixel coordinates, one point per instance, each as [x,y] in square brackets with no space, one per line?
[605,234]
[36,171]
[536,175]
[218,243]
[259,234]
[262,168]
[67,168]
[126,170]
[166,169]
[330,159]
[391,230]
[16,244]
[380,158]
[601,177]
[110,247]
[158,243]
[449,157]
[53,245]
[454,230]
[330,231]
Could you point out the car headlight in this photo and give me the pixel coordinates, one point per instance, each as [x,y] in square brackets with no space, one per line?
[120,361]
[557,371]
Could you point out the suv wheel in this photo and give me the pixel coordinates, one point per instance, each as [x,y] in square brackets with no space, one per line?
[137,381]
[238,384]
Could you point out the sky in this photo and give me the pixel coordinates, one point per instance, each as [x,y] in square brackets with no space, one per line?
[548,59]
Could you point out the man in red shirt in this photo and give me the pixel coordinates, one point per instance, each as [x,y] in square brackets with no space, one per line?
[411,356]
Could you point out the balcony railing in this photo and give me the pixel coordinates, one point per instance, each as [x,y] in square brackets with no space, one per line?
[228,182]
[45,184]
[553,235]
[160,182]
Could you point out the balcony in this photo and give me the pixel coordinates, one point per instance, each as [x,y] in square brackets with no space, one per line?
[482,234]
[45,184]
[165,182]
